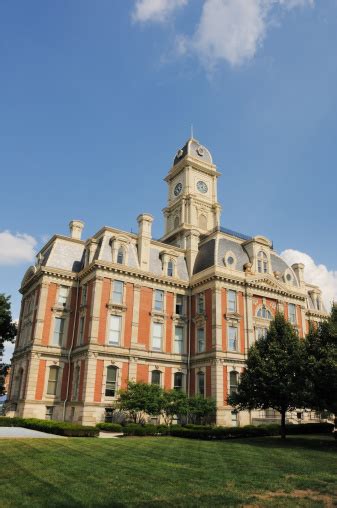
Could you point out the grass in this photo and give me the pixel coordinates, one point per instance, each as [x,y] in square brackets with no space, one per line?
[151,472]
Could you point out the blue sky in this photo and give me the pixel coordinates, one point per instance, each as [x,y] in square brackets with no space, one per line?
[96,97]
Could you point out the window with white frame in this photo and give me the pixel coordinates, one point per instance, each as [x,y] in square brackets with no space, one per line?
[157,336]
[201,383]
[201,343]
[52,380]
[58,331]
[179,339]
[63,295]
[81,331]
[111,381]
[120,255]
[180,305]
[156,377]
[76,383]
[201,303]
[233,382]
[292,313]
[262,262]
[234,418]
[231,304]
[178,381]
[115,327]
[117,292]
[264,313]
[260,332]
[170,268]
[232,338]
[159,300]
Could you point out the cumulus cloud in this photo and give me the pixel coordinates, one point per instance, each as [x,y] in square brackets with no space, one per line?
[228,30]
[155,10]
[315,274]
[17,248]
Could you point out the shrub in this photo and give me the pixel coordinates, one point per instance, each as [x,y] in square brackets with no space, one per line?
[310,428]
[51,426]
[109,427]
[134,429]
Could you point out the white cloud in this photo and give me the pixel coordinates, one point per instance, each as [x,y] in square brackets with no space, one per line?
[315,274]
[15,249]
[155,10]
[228,30]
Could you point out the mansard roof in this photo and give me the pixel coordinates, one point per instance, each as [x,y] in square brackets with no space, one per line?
[193,148]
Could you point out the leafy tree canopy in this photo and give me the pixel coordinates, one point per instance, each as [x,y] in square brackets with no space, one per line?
[8,332]
[275,376]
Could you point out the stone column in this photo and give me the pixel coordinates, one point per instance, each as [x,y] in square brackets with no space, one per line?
[41,312]
[217,318]
[95,310]
[135,315]
[248,319]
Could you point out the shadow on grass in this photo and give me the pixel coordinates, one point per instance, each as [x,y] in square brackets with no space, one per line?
[322,443]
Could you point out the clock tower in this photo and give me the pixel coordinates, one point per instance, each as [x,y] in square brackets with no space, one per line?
[192,194]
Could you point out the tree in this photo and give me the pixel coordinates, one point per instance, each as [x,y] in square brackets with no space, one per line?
[275,376]
[174,403]
[201,410]
[8,332]
[141,399]
[321,349]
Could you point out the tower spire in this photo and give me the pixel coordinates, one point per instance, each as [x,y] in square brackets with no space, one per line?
[191,130]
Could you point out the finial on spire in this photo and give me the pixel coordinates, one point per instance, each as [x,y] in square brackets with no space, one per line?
[191,130]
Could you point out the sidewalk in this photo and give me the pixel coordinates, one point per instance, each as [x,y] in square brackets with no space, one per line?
[19,433]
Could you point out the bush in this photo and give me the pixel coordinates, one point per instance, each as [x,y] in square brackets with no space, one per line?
[109,427]
[209,433]
[310,428]
[135,429]
[51,426]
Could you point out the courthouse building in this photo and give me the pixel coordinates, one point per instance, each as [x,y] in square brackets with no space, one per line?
[180,311]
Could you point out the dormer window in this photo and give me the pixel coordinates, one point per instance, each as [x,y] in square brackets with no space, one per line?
[120,256]
[262,262]
[170,269]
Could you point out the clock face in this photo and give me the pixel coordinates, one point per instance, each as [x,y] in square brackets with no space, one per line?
[177,189]
[202,187]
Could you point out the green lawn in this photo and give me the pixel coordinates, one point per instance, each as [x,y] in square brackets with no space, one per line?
[167,471]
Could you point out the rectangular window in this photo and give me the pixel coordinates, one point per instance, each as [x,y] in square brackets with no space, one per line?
[117,293]
[159,300]
[52,380]
[84,295]
[49,412]
[81,331]
[201,383]
[58,331]
[179,305]
[63,295]
[260,332]
[292,313]
[232,338]
[115,327]
[201,340]
[179,339]
[157,336]
[201,303]
[111,381]
[231,301]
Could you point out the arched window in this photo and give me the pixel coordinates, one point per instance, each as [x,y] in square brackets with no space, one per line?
[201,383]
[264,313]
[262,262]
[120,255]
[52,380]
[111,381]
[178,381]
[233,382]
[155,377]
[170,268]
[202,221]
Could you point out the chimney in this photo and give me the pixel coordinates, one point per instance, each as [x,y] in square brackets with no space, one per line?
[144,239]
[76,228]
[299,272]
